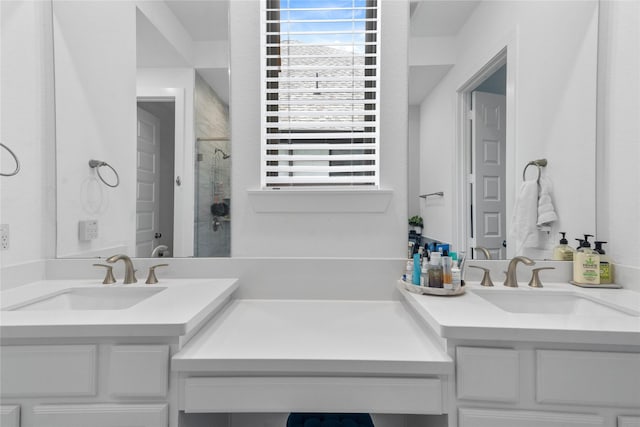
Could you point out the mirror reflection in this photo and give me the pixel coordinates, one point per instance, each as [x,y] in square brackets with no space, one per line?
[152,100]
[169,59]
[496,86]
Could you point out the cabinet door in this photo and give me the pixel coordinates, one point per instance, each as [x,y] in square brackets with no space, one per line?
[588,378]
[489,374]
[9,415]
[624,421]
[469,417]
[101,415]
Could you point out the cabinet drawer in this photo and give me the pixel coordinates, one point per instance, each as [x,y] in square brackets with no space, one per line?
[102,415]
[138,370]
[313,394]
[471,417]
[487,374]
[587,378]
[48,370]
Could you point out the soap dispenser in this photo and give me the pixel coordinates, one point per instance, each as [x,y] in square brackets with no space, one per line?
[563,252]
[606,264]
[586,264]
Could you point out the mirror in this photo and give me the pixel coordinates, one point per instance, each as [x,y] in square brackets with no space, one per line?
[142,90]
[171,65]
[527,69]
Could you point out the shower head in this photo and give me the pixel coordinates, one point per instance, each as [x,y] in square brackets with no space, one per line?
[224,155]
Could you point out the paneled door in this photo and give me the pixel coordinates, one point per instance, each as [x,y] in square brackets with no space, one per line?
[488,155]
[148,186]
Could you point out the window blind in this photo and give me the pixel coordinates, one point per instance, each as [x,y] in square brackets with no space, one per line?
[320,82]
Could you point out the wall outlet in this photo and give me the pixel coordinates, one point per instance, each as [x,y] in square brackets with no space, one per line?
[88,230]
[4,236]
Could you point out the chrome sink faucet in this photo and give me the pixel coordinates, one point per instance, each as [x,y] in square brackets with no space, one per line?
[512,280]
[129,272]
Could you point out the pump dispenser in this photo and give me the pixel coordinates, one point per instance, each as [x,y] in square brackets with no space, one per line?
[606,264]
[586,264]
[563,252]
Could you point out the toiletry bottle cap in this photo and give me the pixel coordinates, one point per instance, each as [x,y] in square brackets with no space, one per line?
[586,243]
[598,248]
[563,241]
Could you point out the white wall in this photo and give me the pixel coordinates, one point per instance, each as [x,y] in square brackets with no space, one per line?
[552,55]
[317,234]
[413,169]
[619,131]
[95,119]
[27,200]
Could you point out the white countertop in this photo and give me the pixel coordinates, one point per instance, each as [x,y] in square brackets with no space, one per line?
[175,311]
[269,337]
[470,316]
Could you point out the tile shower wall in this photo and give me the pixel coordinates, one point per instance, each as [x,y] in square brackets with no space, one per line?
[213,172]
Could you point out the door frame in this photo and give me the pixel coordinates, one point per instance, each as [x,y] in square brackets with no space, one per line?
[506,54]
[182,197]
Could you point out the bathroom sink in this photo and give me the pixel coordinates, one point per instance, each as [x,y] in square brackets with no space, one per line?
[105,298]
[549,303]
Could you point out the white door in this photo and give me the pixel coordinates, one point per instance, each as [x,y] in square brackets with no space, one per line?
[148,187]
[488,153]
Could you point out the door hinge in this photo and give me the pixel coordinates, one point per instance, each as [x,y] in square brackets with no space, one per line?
[471,115]
[471,178]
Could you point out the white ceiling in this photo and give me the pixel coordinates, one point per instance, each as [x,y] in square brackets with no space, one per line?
[207,20]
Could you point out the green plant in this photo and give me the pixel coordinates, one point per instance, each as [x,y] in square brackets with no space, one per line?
[415,221]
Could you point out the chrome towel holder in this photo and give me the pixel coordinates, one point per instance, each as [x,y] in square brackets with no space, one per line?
[97,164]
[540,163]
[437,194]
[15,158]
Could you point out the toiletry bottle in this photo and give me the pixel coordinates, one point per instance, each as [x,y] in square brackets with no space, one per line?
[424,273]
[435,271]
[456,278]
[563,252]
[416,269]
[606,264]
[446,273]
[586,264]
[408,271]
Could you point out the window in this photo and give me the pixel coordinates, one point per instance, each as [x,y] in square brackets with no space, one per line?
[320,80]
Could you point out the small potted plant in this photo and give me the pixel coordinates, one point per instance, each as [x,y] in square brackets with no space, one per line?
[416,222]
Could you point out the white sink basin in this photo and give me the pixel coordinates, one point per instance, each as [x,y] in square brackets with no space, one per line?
[535,301]
[104,298]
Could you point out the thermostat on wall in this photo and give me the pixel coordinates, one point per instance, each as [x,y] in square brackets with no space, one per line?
[88,230]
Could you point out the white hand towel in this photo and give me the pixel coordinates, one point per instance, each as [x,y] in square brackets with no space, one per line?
[546,211]
[525,217]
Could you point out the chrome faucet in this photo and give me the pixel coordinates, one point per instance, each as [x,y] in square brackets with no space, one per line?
[129,272]
[512,280]
[159,251]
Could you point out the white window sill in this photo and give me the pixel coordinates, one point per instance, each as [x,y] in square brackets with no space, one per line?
[320,201]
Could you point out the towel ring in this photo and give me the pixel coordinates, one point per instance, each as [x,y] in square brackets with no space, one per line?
[540,163]
[97,164]
[15,158]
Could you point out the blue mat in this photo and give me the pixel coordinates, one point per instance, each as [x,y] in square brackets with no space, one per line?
[329,420]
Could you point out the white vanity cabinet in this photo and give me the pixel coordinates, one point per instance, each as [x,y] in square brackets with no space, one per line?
[102,383]
[543,385]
